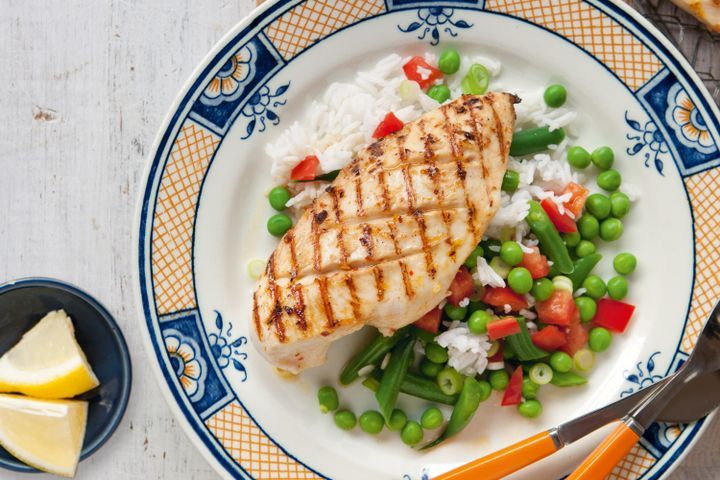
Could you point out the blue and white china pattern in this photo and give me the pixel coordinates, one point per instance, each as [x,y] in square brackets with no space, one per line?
[643,375]
[433,21]
[687,122]
[189,367]
[237,72]
[648,141]
[260,108]
[226,350]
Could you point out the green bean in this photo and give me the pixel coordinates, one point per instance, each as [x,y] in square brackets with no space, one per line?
[327,177]
[465,408]
[415,386]
[510,182]
[583,267]
[328,399]
[535,140]
[392,377]
[567,379]
[550,241]
[373,353]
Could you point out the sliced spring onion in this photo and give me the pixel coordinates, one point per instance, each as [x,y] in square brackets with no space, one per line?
[561,282]
[255,268]
[409,90]
[584,360]
[541,373]
[522,344]
[493,349]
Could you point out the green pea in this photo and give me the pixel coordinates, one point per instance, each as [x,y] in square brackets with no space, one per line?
[555,95]
[561,362]
[511,181]
[345,419]
[587,308]
[530,408]
[609,180]
[520,280]
[588,226]
[278,198]
[611,229]
[599,339]
[412,433]
[450,381]
[397,420]
[431,418]
[617,287]
[594,287]
[372,422]
[578,157]
[436,353]
[439,93]
[599,205]
[625,263]
[603,157]
[572,239]
[585,248]
[476,81]
[511,253]
[454,312]
[449,61]
[328,399]
[542,289]
[484,389]
[478,322]
[530,389]
[471,261]
[430,369]
[499,379]
[620,204]
[278,224]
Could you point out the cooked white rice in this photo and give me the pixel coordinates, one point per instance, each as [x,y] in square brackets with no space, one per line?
[467,352]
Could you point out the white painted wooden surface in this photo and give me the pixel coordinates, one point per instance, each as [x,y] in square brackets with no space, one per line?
[84,86]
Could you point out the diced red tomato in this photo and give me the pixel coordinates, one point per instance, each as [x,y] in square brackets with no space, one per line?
[502,328]
[549,338]
[613,315]
[388,125]
[501,296]
[499,355]
[513,392]
[461,286]
[577,201]
[306,169]
[536,263]
[430,322]
[418,70]
[562,221]
[559,309]
[577,337]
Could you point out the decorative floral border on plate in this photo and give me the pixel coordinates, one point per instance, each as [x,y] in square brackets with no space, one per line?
[236,84]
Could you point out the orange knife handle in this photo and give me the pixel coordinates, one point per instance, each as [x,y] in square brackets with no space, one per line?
[607,455]
[506,461]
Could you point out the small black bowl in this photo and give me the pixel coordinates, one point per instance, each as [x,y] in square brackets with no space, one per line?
[24,302]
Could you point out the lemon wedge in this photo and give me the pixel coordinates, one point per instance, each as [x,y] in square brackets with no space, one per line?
[45,434]
[47,362]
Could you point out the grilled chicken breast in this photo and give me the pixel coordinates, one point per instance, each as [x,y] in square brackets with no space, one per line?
[383,243]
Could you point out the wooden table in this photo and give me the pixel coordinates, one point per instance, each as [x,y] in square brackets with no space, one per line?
[86,85]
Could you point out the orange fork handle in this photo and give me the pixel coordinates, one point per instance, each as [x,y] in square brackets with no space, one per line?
[607,455]
[506,461]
